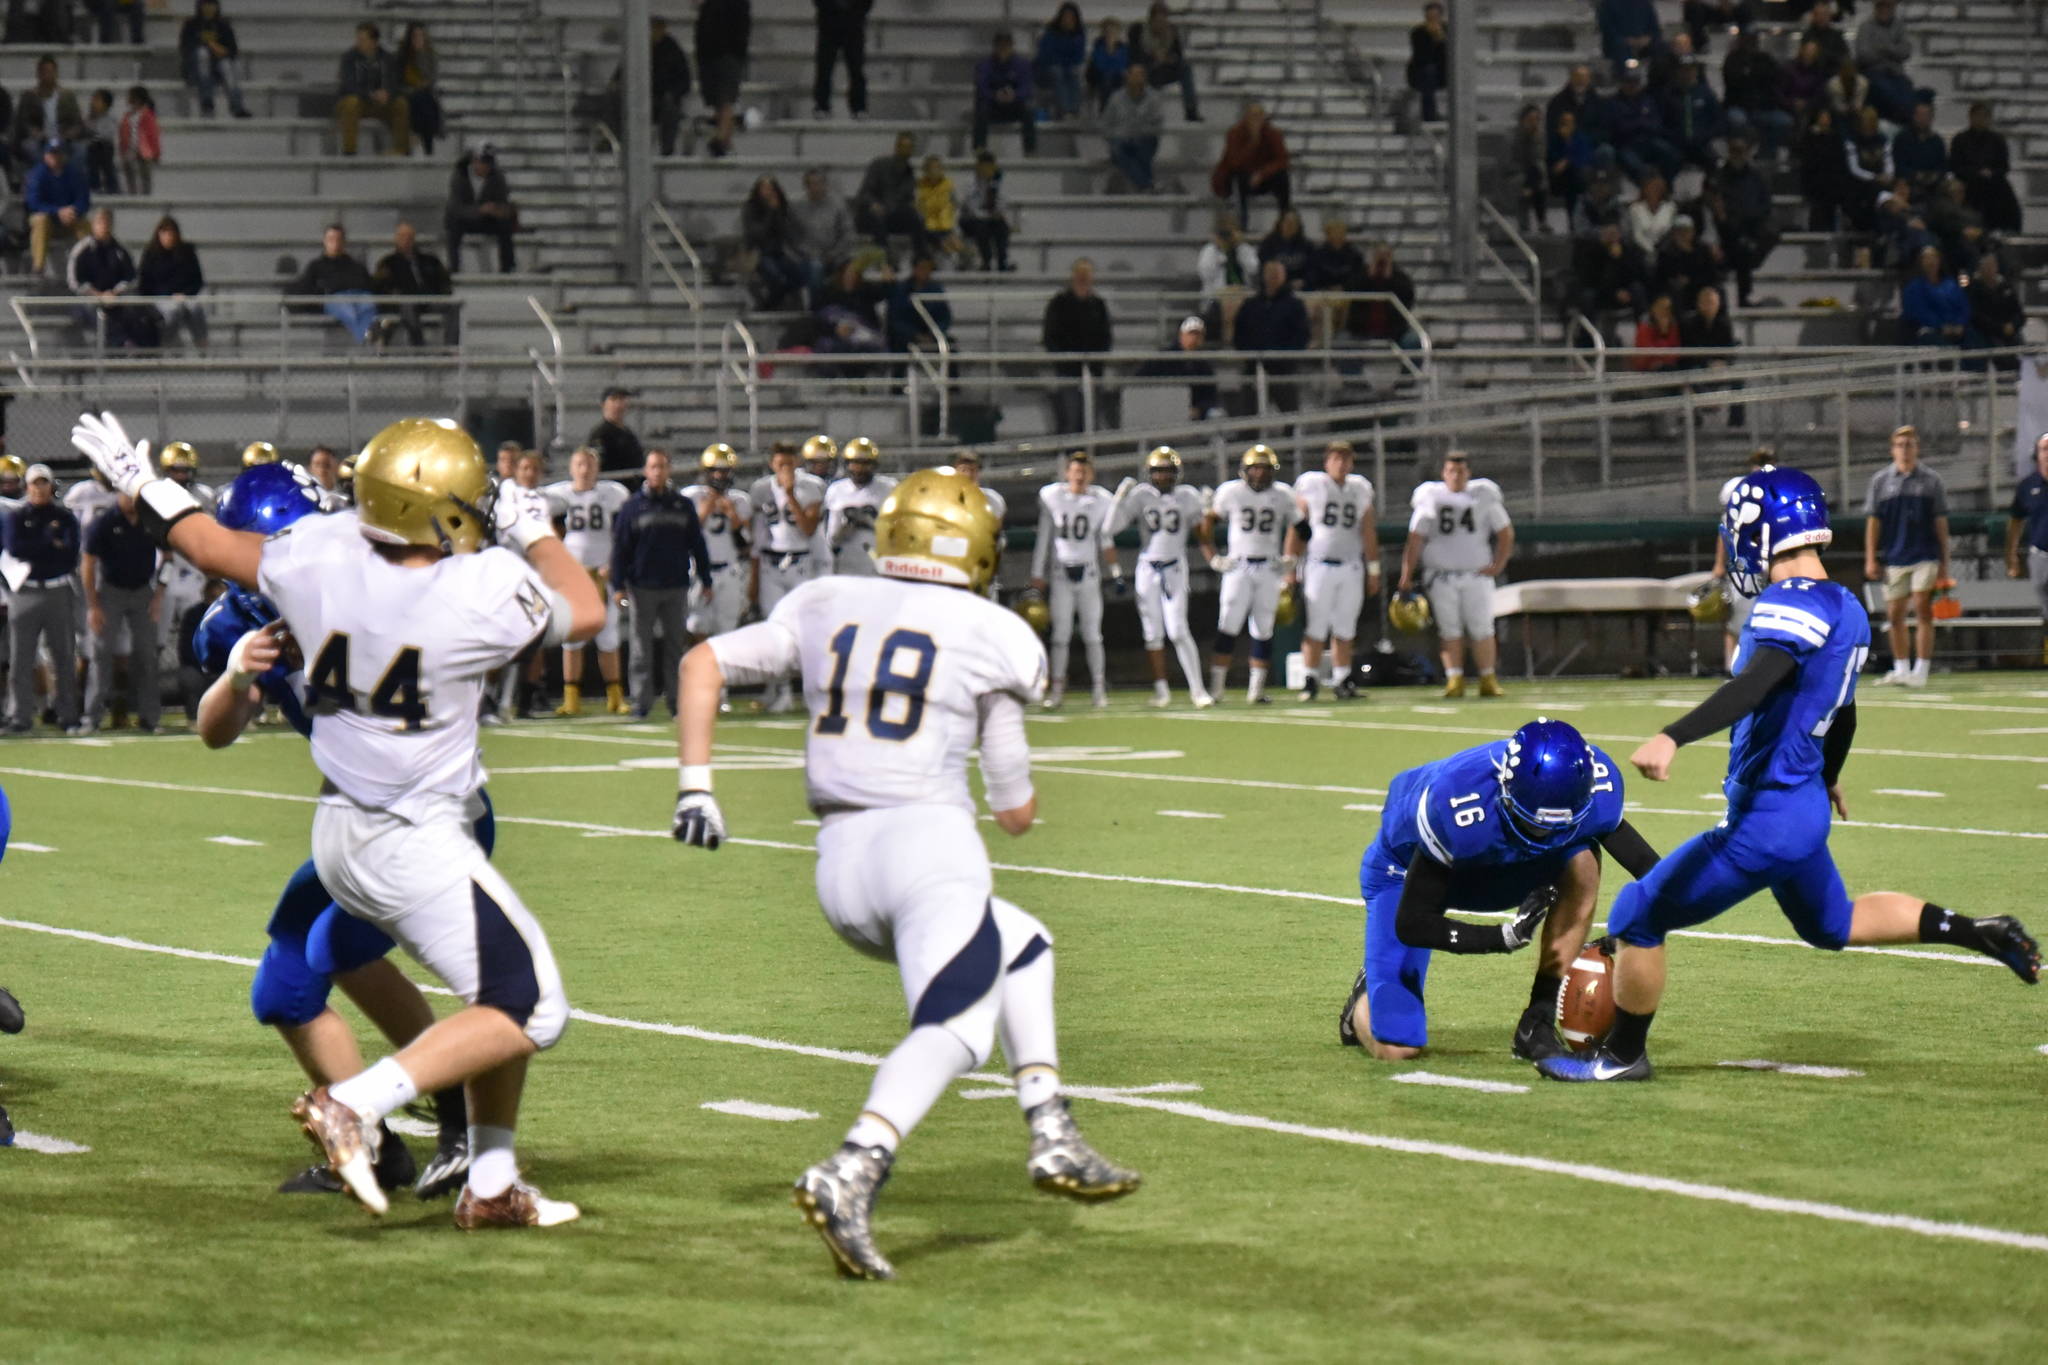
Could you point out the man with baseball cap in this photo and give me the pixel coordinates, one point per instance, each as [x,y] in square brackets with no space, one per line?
[1184,360]
[39,546]
[58,198]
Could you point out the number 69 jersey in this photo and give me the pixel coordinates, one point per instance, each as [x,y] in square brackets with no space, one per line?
[1258,520]
[396,657]
[896,676]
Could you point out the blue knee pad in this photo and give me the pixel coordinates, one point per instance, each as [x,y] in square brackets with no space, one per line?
[287,992]
[1225,645]
[1262,650]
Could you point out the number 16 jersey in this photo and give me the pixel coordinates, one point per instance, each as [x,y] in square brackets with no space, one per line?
[894,676]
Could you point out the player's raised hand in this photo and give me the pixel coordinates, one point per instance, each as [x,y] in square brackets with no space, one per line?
[1522,929]
[698,820]
[102,440]
[523,518]
[256,653]
[1653,759]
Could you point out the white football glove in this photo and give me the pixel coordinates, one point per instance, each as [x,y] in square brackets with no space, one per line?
[698,820]
[1528,921]
[103,441]
[1221,563]
[523,518]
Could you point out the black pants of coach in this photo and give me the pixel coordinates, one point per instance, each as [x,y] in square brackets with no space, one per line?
[841,38]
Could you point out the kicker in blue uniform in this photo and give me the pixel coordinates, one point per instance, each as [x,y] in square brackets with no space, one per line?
[1792,703]
[1517,825]
[314,945]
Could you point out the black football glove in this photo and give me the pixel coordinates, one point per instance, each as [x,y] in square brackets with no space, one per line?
[1520,931]
[698,820]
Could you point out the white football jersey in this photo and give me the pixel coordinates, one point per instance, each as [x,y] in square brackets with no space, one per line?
[775,530]
[1072,527]
[87,499]
[1334,512]
[894,674]
[721,536]
[996,502]
[1458,528]
[396,657]
[587,516]
[1163,519]
[850,510]
[1258,522]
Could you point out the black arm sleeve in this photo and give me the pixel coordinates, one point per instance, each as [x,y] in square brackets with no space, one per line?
[1834,750]
[1420,921]
[1631,849]
[1735,698]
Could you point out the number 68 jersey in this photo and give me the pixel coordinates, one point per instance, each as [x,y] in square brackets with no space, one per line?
[896,676]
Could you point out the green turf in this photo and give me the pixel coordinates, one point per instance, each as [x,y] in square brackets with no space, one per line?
[165,1242]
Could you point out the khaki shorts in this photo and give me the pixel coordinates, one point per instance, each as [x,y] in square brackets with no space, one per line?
[1903,580]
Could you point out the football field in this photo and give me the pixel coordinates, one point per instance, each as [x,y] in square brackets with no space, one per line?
[1841,1156]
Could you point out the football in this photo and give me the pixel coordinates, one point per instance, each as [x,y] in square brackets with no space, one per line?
[1585,1007]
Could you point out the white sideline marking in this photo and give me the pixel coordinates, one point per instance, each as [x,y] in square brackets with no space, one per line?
[2020,730]
[1089,1092]
[1921,1227]
[558,770]
[747,1109]
[23,846]
[2043,1049]
[49,1146]
[1365,806]
[1087,753]
[1435,710]
[1955,959]
[1907,791]
[1460,1083]
[1036,766]
[1831,1073]
[1190,814]
[232,842]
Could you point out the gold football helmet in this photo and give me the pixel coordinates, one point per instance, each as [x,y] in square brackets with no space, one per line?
[1409,613]
[1287,609]
[718,455]
[1037,613]
[1261,454]
[423,481]
[258,452]
[1708,603]
[1163,457]
[860,450]
[12,467]
[177,455]
[936,527]
[820,447]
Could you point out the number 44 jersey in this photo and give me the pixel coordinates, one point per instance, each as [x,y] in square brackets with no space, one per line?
[895,676]
[396,657]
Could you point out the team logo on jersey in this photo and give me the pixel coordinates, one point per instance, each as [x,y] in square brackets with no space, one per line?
[532,603]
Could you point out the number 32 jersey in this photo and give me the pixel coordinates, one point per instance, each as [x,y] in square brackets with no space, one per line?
[1826,631]
[894,675]
[1258,520]
[396,657]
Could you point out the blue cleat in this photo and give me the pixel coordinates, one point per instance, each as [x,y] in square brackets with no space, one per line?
[1601,1066]
[2008,940]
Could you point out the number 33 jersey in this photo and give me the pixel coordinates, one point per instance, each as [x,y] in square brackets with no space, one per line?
[896,677]
[396,657]
[1826,631]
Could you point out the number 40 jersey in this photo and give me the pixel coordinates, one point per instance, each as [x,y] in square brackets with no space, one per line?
[895,675]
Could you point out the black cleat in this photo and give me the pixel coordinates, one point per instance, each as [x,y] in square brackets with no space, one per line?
[313,1180]
[1598,1066]
[2008,941]
[6,1129]
[1346,690]
[446,1168]
[837,1197]
[1536,1037]
[394,1167]
[1313,688]
[11,1017]
[1062,1162]
[1347,1032]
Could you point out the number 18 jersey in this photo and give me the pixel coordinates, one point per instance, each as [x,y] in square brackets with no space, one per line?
[894,674]
[1826,631]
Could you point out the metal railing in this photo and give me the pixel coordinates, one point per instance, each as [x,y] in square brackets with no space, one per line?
[551,376]
[659,223]
[743,369]
[1596,367]
[1532,290]
[936,366]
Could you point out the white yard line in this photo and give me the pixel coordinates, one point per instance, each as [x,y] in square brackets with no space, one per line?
[748,1109]
[1191,814]
[1459,1083]
[49,1146]
[1828,1073]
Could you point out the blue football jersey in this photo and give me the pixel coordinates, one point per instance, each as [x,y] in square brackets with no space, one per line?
[1827,632]
[1450,809]
[228,620]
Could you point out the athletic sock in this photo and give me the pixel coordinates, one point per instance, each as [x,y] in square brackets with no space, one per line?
[1098,666]
[1544,992]
[1630,1036]
[1161,690]
[1217,676]
[1921,667]
[909,1082]
[1059,666]
[451,1107]
[1025,1023]
[1453,674]
[1257,688]
[377,1091]
[1946,926]
[492,1164]
[1190,661]
[1036,1085]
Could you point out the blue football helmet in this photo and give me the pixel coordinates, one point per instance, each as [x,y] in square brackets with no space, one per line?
[1772,511]
[6,822]
[1546,783]
[266,498]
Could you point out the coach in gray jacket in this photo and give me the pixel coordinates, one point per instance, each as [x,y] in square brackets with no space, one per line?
[656,540]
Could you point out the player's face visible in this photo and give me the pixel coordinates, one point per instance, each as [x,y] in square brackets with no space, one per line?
[1164,476]
[177,473]
[821,466]
[528,471]
[862,472]
[1259,476]
[655,471]
[1905,450]
[1079,475]
[971,468]
[1456,475]
[781,463]
[324,468]
[1337,464]
[10,487]
[41,492]
[508,461]
[583,471]
[718,477]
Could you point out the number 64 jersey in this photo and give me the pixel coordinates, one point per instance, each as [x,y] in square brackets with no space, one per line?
[897,677]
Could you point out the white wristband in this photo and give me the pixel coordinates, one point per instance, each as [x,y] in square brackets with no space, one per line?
[695,777]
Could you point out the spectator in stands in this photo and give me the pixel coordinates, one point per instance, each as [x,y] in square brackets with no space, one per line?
[1693,114]
[1980,157]
[1661,71]
[1157,46]
[773,267]
[1882,51]
[1226,267]
[724,33]
[1847,92]
[1429,60]
[1957,228]
[1254,161]
[1076,322]
[1108,59]
[1657,338]
[1062,52]
[1274,319]
[1571,162]
[617,447]
[1932,309]
[208,55]
[100,270]
[1820,29]
[1869,162]
[406,274]
[1650,218]
[480,204]
[1905,547]
[368,88]
[1997,317]
[41,609]
[1739,199]
[1003,93]
[169,273]
[848,316]
[842,35]
[1900,231]
[1132,120]
[820,231]
[139,141]
[1184,360]
[123,603]
[1804,86]
[1610,277]
[985,213]
[1634,119]
[57,199]
[1287,244]
[1628,30]
[1705,338]
[1918,153]
[1334,264]
[1752,83]
[1525,173]
[1824,178]
[1599,207]
[418,70]
[668,86]
[1576,97]
[887,199]
[1377,319]
[938,209]
[1703,19]
[906,329]
[656,541]
[1684,264]
[341,281]
[114,15]
[45,111]
[102,134]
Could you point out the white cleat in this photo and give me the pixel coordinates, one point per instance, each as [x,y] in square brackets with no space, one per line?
[520,1206]
[1203,701]
[1160,700]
